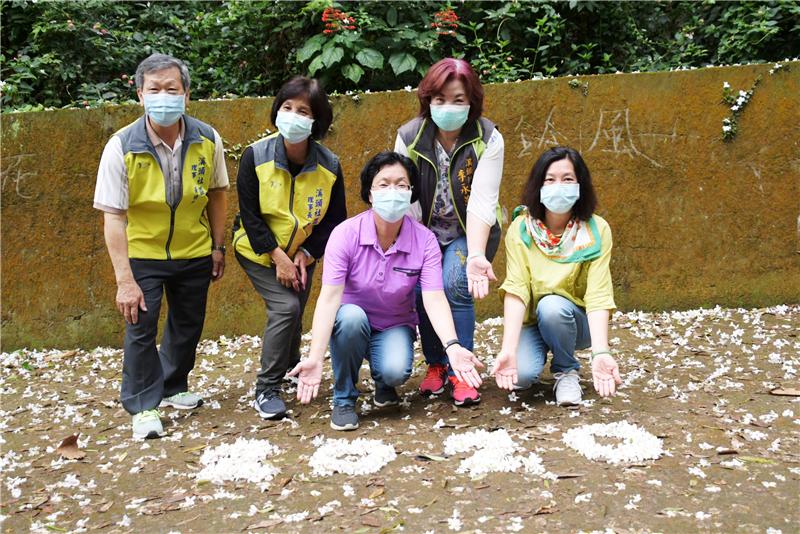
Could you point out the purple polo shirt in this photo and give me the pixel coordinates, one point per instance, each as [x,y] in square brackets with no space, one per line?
[382,284]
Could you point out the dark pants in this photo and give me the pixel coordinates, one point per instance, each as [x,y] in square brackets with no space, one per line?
[148,374]
[280,346]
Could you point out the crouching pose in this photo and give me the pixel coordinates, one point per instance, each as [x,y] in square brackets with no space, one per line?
[366,307]
[558,292]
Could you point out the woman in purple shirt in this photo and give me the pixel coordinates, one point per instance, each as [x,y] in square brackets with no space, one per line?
[366,307]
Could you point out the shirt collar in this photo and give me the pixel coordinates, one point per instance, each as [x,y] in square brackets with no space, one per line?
[368,235]
[155,139]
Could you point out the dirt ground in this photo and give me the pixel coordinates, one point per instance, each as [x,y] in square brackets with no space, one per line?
[704,381]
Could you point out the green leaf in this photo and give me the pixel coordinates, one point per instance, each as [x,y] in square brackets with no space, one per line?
[353,72]
[391,16]
[402,62]
[372,59]
[310,47]
[331,56]
[315,65]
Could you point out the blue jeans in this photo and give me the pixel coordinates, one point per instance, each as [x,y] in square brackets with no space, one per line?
[454,277]
[562,327]
[390,354]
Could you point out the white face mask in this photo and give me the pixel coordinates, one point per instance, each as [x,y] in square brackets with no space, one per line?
[391,204]
[293,127]
[559,198]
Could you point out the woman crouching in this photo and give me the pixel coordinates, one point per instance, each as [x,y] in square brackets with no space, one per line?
[558,292]
[366,307]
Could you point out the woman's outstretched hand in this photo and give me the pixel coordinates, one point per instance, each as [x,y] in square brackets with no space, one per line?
[309,374]
[605,373]
[479,274]
[465,365]
[505,370]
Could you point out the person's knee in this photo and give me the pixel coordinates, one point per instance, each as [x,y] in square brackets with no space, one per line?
[527,375]
[351,316]
[287,309]
[394,375]
[351,320]
[553,310]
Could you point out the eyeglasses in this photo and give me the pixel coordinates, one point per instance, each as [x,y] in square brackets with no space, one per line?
[386,187]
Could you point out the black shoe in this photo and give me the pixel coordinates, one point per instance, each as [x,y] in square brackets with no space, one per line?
[344,418]
[269,405]
[386,397]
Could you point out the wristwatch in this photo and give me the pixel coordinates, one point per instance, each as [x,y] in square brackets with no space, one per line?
[221,248]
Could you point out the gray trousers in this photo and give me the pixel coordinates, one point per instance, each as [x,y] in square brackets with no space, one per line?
[148,374]
[280,346]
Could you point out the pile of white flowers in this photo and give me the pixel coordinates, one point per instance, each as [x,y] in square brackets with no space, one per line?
[495,452]
[637,443]
[243,460]
[358,457]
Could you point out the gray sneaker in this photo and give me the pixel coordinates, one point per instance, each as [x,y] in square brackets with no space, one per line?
[269,405]
[344,418]
[386,397]
[567,388]
[147,425]
[184,400]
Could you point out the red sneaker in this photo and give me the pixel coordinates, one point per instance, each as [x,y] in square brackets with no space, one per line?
[462,393]
[433,383]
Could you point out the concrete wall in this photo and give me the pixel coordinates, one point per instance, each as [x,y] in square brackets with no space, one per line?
[696,221]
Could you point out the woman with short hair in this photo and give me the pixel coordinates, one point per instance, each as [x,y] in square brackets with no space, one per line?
[366,307]
[459,155]
[558,291]
[291,196]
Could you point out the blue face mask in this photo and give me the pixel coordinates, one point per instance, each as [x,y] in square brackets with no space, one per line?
[449,117]
[559,198]
[391,204]
[293,127]
[164,109]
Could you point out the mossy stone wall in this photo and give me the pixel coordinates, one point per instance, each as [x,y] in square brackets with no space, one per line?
[696,221]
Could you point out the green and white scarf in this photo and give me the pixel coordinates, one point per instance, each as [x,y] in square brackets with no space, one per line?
[580,241]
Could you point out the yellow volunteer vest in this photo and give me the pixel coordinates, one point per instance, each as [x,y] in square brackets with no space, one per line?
[290,206]
[159,230]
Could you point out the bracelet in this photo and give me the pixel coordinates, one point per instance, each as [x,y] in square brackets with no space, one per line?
[598,353]
[451,343]
[475,255]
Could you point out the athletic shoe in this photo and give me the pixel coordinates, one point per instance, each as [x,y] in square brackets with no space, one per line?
[567,388]
[184,400]
[269,405]
[463,394]
[344,418]
[434,380]
[147,425]
[386,397]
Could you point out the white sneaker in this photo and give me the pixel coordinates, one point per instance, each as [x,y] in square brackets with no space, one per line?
[568,388]
[147,425]
[182,401]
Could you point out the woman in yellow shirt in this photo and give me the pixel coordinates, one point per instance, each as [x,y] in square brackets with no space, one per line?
[558,291]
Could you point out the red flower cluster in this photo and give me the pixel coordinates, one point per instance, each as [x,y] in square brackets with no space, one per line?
[335,20]
[445,22]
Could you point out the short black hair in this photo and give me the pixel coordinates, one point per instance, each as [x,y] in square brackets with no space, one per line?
[320,107]
[385,159]
[586,204]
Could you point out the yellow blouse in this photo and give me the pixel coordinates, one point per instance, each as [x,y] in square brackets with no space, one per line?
[530,275]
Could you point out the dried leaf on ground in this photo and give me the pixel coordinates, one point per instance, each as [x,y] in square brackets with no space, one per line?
[786,392]
[268,524]
[371,521]
[69,448]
